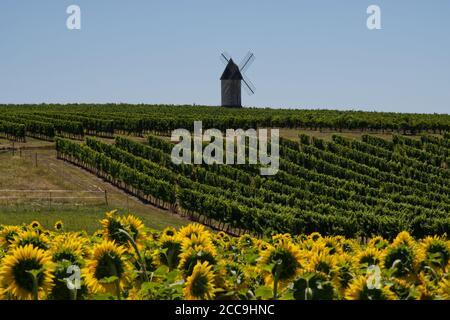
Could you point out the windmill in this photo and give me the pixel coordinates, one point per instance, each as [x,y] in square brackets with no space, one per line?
[233,78]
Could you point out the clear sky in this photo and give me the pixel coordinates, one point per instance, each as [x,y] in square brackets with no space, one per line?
[309,54]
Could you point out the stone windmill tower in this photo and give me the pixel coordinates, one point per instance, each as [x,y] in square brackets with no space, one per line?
[232,80]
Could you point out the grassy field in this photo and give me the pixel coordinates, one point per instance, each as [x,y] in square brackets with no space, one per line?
[80,208]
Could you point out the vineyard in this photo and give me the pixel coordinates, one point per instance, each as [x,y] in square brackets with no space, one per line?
[341,186]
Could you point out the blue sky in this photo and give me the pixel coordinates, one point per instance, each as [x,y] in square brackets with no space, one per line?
[309,54]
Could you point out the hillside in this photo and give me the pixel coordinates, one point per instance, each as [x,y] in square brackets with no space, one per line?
[356,174]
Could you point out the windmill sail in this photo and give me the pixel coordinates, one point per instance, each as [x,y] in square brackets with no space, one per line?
[248,85]
[225,57]
[246,62]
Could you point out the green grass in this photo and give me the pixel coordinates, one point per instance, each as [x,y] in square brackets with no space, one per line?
[74,218]
[20,174]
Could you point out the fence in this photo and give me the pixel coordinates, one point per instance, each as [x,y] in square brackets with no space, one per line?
[53,197]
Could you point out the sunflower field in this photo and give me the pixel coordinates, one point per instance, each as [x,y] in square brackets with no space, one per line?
[125,260]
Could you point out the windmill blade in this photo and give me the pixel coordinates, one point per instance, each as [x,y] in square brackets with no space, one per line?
[225,57]
[246,62]
[248,85]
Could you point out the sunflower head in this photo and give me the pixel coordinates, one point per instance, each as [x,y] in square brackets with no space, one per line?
[170,251]
[169,232]
[32,237]
[434,252]
[107,262]
[67,247]
[404,290]
[345,270]
[191,229]
[378,243]
[7,235]
[246,241]
[322,262]
[59,225]
[112,225]
[400,258]
[36,225]
[189,259]
[359,290]
[315,236]
[284,259]
[368,257]
[16,272]
[201,240]
[200,284]
[404,238]
[333,245]
[134,227]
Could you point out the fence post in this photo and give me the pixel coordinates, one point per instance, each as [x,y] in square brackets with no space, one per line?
[13,147]
[106,197]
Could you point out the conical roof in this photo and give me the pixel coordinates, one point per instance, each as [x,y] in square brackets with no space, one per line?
[231,72]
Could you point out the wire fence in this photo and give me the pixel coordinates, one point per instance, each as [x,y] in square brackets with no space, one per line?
[53,197]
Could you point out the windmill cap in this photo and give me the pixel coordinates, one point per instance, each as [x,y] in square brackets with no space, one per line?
[231,72]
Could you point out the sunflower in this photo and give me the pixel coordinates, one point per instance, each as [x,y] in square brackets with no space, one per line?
[426,289]
[358,290]
[282,236]
[33,237]
[134,227]
[403,238]
[350,246]
[15,276]
[35,225]
[170,251]
[191,229]
[368,257]
[200,285]
[378,243]
[7,235]
[169,232]
[202,240]
[322,262]
[333,245]
[234,275]
[262,245]
[285,259]
[112,225]
[315,236]
[434,251]
[59,225]
[189,259]
[67,248]
[400,258]
[404,289]
[107,261]
[345,270]
[246,241]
